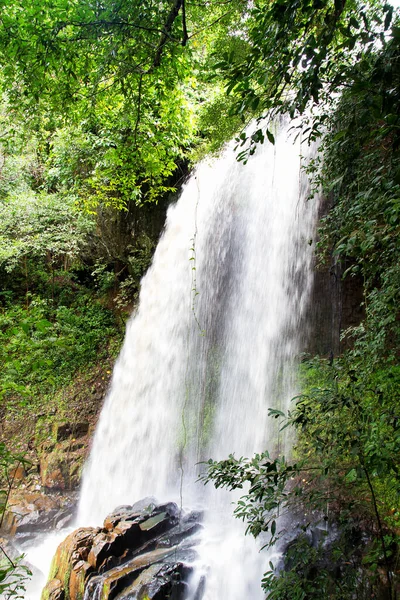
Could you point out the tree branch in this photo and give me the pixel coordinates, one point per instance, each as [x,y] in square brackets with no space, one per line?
[139,102]
[165,35]
[184,26]
[7,557]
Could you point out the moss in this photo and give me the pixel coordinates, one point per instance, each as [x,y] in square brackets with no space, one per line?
[44,436]
[53,588]
[67,577]
[77,585]
[45,594]
[53,568]
[105,592]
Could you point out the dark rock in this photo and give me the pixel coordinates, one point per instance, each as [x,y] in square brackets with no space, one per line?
[178,533]
[144,550]
[158,582]
[63,431]
[200,589]
[32,513]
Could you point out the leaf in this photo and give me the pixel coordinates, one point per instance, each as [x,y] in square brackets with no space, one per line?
[351,476]
[388,18]
[354,23]
[43,325]
[274,412]
[270,137]
[273,528]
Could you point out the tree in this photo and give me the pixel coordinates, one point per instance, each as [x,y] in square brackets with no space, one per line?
[300,56]
[124,72]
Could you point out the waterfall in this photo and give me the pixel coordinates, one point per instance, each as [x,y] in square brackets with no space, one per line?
[209,350]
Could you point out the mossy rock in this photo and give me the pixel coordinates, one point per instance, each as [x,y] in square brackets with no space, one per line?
[65,430]
[69,568]
[53,591]
[44,436]
[61,469]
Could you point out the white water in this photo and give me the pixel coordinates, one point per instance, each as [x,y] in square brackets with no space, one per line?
[209,350]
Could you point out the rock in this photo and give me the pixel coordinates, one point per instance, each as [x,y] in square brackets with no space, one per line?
[69,563]
[53,472]
[63,431]
[158,579]
[61,448]
[144,550]
[30,513]
[18,474]
[53,590]
[61,468]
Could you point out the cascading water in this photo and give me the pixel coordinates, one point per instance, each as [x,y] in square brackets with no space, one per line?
[209,351]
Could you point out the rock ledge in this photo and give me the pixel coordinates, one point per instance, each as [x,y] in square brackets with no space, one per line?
[144,551]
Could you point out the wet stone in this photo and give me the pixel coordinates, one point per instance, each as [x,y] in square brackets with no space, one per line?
[143,550]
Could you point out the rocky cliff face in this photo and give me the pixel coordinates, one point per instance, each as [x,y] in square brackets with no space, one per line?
[336,303]
[144,551]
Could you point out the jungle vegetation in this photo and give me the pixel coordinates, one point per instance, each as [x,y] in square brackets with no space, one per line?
[104,107]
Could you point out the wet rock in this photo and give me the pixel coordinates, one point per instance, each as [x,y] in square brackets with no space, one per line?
[30,513]
[144,550]
[69,564]
[198,595]
[143,508]
[53,591]
[158,579]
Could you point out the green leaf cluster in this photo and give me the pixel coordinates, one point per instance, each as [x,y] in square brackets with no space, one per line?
[13,573]
[117,88]
[42,346]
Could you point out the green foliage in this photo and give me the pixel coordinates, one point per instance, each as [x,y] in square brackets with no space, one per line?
[316,570]
[41,227]
[361,173]
[267,495]
[41,347]
[364,430]
[216,123]
[13,577]
[101,104]
[113,90]
[300,55]
[13,573]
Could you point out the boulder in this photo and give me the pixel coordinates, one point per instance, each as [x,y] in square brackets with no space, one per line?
[144,550]
[29,513]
